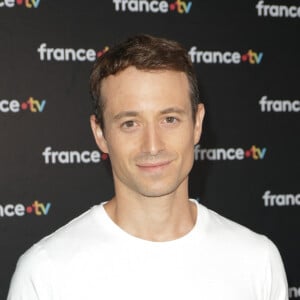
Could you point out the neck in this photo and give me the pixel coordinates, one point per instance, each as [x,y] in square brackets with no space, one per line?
[153,218]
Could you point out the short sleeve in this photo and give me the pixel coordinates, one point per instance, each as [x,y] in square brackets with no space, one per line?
[276,286]
[32,278]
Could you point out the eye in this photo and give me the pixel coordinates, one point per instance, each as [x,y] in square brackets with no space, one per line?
[171,120]
[128,124]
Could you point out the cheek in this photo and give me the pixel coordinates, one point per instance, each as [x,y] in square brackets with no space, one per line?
[120,151]
[185,141]
[187,150]
[119,143]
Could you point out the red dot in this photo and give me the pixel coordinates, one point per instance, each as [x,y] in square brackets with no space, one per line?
[172,6]
[244,57]
[99,53]
[24,105]
[29,209]
[248,153]
[104,156]
[19,2]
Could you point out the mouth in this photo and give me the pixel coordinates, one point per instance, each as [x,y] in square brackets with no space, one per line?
[153,166]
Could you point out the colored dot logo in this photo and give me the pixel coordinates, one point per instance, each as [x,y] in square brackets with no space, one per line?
[248,153]
[244,57]
[29,209]
[255,152]
[101,52]
[104,156]
[252,57]
[180,6]
[33,105]
[24,3]
[24,106]
[38,208]
[172,6]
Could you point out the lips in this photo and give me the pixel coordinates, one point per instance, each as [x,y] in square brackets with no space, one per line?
[153,166]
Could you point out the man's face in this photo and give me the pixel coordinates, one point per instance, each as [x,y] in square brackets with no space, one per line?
[149,131]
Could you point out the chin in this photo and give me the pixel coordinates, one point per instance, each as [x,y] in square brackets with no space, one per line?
[159,192]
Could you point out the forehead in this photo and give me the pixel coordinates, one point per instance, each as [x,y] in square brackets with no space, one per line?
[142,89]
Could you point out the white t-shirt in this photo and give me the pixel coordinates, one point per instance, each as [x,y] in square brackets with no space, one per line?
[92,258]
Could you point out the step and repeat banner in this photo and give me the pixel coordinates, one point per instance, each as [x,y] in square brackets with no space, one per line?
[247,58]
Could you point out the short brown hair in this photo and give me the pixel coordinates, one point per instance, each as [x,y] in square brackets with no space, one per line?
[144,52]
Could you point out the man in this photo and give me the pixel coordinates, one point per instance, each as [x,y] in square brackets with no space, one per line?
[150,241]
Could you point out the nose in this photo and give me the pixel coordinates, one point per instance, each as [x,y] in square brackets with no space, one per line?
[153,142]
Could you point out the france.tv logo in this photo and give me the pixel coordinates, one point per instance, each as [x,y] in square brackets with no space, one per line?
[20,3]
[254,152]
[14,106]
[69,54]
[20,210]
[152,6]
[225,57]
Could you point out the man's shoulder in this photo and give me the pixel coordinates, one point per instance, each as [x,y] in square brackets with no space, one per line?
[240,253]
[66,240]
[230,234]
[57,255]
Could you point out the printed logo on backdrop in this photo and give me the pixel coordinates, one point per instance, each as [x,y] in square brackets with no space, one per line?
[225,57]
[294,292]
[72,157]
[152,6]
[20,210]
[280,199]
[20,3]
[268,105]
[197,56]
[254,152]
[15,106]
[69,54]
[277,11]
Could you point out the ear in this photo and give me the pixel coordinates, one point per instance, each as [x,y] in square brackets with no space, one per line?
[198,123]
[98,134]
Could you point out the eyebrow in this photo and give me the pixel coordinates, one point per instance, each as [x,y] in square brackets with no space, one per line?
[173,110]
[133,113]
[124,114]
